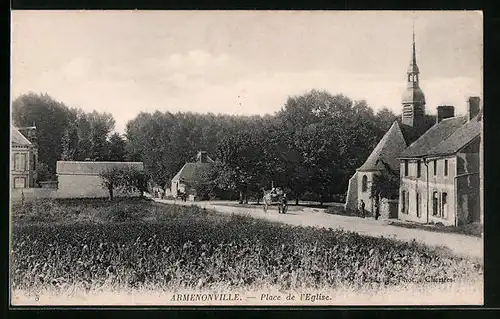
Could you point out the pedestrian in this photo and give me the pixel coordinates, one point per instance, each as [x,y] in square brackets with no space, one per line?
[284,203]
[362,208]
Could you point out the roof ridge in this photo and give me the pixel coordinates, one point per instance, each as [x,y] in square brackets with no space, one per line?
[435,135]
[392,140]
[18,138]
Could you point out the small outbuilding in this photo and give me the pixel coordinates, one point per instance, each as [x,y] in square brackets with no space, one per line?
[183,181]
[82,179]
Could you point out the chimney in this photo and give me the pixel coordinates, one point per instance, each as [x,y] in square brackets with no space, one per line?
[202,157]
[444,112]
[473,107]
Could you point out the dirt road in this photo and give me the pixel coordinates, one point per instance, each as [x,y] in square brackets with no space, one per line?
[459,244]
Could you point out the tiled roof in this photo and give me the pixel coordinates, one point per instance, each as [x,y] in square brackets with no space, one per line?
[18,138]
[190,170]
[461,137]
[386,151]
[93,168]
[436,135]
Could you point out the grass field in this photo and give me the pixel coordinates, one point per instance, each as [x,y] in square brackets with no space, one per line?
[96,245]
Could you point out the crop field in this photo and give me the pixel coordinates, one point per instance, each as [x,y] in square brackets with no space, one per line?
[127,245]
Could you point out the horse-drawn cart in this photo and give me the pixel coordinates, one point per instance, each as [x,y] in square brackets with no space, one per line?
[275,197]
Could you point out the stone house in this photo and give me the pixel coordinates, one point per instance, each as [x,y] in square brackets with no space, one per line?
[24,157]
[182,182]
[440,180]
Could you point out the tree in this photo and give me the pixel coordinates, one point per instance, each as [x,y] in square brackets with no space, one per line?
[385,185]
[51,119]
[112,179]
[101,125]
[127,180]
[63,133]
[69,144]
[43,173]
[117,148]
[328,136]
[203,184]
[134,180]
[239,164]
[385,118]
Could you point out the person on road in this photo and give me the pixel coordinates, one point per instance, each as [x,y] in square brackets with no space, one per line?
[362,208]
[283,203]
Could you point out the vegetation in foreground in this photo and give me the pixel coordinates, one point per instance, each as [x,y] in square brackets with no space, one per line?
[140,244]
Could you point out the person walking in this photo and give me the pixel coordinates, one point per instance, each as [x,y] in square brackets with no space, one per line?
[362,208]
[284,203]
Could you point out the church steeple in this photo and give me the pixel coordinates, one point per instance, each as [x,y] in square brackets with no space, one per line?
[413,99]
[413,71]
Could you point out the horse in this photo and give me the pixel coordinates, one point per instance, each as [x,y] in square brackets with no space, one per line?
[278,197]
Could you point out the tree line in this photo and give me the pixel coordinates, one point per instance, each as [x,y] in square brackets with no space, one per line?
[67,133]
[311,146]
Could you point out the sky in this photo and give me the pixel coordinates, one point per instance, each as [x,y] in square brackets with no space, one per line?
[241,62]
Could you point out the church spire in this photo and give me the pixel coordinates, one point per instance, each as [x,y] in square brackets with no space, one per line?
[413,99]
[413,70]
[414,55]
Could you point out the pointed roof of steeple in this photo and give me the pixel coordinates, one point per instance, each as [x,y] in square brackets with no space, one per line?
[413,68]
[387,151]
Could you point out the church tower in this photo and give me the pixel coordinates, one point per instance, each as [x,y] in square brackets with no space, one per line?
[413,99]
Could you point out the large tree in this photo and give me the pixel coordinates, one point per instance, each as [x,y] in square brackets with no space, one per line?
[63,133]
[51,117]
[329,137]
[117,148]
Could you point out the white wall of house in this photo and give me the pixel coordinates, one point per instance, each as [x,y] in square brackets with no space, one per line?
[436,192]
[80,185]
[23,167]
[177,187]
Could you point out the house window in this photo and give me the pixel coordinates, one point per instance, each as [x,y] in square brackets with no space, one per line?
[417,203]
[445,167]
[435,167]
[404,202]
[34,162]
[19,182]
[20,162]
[419,168]
[407,202]
[364,183]
[444,205]
[435,204]
[406,168]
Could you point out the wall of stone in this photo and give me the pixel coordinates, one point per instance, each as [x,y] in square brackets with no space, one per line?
[80,186]
[351,202]
[388,208]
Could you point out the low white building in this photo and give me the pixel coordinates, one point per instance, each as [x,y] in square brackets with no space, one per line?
[82,179]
